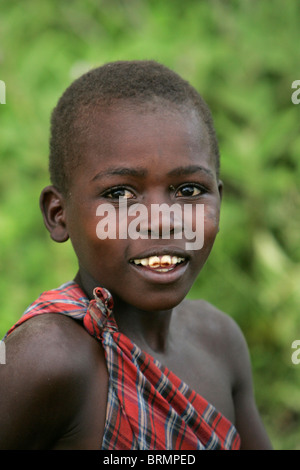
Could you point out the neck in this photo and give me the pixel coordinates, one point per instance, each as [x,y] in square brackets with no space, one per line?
[148,329]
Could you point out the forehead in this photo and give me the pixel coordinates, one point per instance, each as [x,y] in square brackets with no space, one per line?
[155,136]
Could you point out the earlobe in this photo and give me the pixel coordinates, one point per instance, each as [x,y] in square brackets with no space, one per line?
[52,207]
[220,188]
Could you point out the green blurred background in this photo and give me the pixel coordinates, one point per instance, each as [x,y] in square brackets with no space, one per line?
[243,57]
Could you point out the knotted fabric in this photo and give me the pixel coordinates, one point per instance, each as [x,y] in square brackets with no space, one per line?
[148,407]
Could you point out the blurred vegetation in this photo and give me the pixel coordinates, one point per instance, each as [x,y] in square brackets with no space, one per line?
[243,57]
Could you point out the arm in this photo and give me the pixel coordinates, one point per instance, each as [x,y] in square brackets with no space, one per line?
[37,383]
[248,421]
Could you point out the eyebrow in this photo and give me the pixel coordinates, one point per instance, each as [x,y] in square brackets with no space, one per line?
[142,172]
[189,170]
[122,171]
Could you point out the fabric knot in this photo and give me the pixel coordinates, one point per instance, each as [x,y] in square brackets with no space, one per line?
[99,315]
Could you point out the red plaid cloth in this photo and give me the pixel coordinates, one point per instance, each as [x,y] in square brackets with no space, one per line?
[148,407]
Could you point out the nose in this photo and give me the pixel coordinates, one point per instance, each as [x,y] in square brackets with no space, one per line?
[162,218]
[165,220]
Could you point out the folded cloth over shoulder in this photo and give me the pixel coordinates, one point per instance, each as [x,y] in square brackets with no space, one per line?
[148,407]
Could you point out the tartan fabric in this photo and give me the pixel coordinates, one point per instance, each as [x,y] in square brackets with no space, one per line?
[148,407]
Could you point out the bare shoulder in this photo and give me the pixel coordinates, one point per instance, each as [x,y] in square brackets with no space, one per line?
[54,331]
[48,358]
[217,329]
[53,344]
[218,334]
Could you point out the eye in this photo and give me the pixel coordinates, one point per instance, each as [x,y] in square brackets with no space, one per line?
[119,192]
[189,190]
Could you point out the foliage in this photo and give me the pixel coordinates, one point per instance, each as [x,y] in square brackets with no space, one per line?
[243,57]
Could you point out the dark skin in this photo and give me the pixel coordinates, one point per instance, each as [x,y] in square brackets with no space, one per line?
[54,386]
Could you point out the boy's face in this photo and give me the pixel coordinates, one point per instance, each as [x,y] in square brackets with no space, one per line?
[155,157]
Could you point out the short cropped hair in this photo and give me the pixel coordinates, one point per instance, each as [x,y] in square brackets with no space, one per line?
[141,82]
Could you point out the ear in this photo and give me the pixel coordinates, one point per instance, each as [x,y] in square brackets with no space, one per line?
[220,187]
[52,205]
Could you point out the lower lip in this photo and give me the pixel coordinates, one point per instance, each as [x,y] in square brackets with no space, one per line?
[161,277]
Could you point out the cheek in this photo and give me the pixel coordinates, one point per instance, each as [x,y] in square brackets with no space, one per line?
[211,219]
[211,227]
[82,226]
[202,223]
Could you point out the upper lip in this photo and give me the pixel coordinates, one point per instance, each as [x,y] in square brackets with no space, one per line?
[160,252]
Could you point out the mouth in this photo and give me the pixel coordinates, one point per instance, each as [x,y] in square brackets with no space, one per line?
[159,263]
[161,266]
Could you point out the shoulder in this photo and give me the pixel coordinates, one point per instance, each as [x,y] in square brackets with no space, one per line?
[204,318]
[51,339]
[218,333]
[53,345]
[50,361]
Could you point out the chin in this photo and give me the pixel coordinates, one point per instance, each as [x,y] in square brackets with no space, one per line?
[158,302]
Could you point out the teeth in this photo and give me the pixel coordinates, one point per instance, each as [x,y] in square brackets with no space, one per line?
[154,261]
[166,260]
[159,261]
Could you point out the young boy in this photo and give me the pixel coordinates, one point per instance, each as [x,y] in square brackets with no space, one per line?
[117,358]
